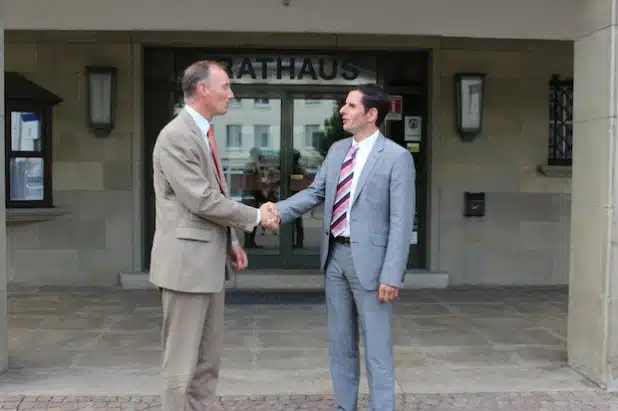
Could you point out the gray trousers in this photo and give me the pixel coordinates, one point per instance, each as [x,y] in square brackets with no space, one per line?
[349,304]
[192,347]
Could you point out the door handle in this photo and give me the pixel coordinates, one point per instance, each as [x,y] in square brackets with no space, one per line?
[296,182]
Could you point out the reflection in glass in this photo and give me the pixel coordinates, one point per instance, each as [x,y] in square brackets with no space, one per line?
[261,135]
[25,131]
[26,179]
[316,128]
[248,143]
[233,136]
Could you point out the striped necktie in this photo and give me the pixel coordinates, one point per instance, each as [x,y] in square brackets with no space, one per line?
[342,198]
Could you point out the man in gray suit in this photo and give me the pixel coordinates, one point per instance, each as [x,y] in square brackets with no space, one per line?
[367,184]
[193,242]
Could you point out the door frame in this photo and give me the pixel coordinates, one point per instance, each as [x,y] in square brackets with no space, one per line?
[160,86]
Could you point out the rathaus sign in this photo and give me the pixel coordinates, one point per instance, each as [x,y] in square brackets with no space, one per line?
[268,69]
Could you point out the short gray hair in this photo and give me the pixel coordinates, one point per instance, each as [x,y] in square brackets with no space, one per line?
[195,74]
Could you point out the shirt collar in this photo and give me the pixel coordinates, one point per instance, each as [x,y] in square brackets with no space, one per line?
[367,144]
[199,119]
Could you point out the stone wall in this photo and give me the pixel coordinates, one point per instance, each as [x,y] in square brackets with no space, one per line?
[522,240]
[92,177]
[524,237]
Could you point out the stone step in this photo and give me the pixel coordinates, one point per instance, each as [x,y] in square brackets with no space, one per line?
[289,280]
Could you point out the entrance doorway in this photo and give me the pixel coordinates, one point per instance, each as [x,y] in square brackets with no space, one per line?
[272,143]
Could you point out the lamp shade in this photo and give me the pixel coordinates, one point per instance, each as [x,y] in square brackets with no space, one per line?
[469,89]
[101,85]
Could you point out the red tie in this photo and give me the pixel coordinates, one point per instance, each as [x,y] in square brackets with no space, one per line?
[213,149]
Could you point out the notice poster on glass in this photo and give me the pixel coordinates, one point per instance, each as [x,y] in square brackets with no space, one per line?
[414,147]
[413,128]
[394,114]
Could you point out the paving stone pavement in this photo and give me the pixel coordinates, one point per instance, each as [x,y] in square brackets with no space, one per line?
[452,344]
[513,401]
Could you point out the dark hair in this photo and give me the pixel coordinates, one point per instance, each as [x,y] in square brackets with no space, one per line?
[375,97]
[196,73]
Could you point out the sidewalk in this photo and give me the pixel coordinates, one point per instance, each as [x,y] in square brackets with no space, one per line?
[522,401]
[76,347]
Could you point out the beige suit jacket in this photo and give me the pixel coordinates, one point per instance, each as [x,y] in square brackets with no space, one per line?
[190,251]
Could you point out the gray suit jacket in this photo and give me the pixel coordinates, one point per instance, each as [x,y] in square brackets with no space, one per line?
[382,213]
[190,251]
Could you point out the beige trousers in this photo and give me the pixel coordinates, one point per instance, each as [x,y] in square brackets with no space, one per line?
[192,347]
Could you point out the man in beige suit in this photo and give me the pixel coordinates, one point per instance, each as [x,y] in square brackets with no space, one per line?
[194,241]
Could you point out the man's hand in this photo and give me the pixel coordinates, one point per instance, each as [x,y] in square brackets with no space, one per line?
[270,216]
[387,293]
[239,257]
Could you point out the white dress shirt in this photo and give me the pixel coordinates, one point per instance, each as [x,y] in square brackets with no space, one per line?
[364,148]
[202,123]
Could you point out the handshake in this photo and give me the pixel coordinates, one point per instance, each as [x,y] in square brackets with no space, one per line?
[270,216]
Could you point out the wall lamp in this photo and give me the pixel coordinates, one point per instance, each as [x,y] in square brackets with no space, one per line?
[469,104]
[102,90]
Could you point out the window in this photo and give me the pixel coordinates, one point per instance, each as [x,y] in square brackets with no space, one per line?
[234,136]
[560,122]
[28,139]
[261,102]
[25,157]
[311,134]
[261,134]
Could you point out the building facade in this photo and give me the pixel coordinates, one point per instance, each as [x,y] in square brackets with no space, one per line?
[100,227]
[79,198]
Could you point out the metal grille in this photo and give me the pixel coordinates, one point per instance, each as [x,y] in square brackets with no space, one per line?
[560,121]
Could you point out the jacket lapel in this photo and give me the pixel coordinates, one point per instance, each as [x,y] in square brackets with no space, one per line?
[197,134]
[373,158]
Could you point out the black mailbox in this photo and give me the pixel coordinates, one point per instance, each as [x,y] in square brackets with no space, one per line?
[474,204]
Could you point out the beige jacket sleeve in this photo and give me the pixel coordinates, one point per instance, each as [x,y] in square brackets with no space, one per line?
[182,168]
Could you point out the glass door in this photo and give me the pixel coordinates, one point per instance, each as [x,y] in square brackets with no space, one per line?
[249,143]
[248,139]
[315,126]
[272,145]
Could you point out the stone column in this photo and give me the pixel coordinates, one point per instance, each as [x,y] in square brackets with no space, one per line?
[4,332]
[592,336]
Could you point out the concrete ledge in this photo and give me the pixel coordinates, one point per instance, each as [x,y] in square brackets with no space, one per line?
[555,171]
[33,215]
[135,281]
[289,280]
